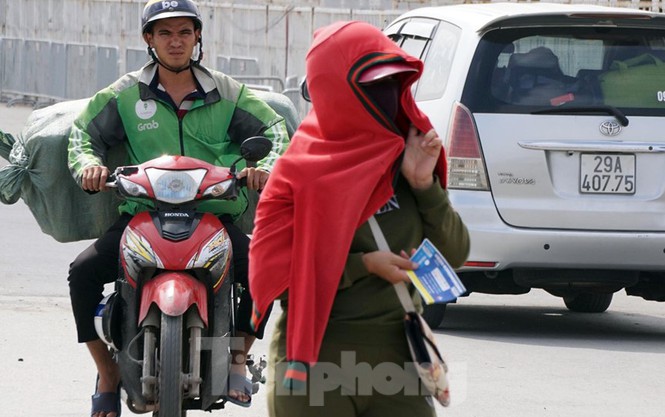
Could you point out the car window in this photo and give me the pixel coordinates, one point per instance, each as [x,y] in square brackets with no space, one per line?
[549,67]
[435,43]
[414,46]
[412,35]
[439,60]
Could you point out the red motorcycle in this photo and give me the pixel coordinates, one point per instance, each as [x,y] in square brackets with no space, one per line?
[170,321]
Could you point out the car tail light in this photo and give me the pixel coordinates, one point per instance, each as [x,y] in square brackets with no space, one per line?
[466,167]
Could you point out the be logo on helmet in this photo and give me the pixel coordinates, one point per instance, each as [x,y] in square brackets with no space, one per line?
[169,4]
[165,4]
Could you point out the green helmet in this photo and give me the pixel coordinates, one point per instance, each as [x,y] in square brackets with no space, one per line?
[164,9]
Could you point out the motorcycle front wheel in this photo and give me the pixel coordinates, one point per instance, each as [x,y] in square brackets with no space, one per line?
[170,388]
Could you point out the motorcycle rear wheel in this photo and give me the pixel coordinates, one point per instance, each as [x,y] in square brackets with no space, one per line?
[170,388]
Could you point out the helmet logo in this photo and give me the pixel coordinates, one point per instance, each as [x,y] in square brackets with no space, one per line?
[169,4]
[610,128]
[145,109]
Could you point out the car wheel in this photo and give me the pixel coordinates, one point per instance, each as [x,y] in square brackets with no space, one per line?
[588,302]
[433,314]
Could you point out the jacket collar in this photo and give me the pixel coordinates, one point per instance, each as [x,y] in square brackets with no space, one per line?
[204,80]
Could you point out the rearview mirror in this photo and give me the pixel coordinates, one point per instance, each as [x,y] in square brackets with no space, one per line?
[304,91]
[255,148]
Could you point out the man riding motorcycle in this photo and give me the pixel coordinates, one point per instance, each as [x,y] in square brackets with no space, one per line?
[175,106]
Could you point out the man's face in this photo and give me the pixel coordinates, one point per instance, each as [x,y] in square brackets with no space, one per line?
[174,40]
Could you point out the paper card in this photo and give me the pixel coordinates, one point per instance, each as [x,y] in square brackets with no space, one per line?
[435,279]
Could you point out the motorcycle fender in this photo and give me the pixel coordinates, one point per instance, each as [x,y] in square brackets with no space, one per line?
[174,293]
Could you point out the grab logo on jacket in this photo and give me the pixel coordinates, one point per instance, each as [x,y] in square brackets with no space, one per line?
[147,126]
[145,109]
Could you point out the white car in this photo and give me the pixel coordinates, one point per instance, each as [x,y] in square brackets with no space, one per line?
[553,119]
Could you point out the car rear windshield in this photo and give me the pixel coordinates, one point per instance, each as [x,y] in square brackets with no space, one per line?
[526,69]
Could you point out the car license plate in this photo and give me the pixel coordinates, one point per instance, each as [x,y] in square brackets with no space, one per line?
[607,173]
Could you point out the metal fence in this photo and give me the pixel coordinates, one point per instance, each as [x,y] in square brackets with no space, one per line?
[52,50]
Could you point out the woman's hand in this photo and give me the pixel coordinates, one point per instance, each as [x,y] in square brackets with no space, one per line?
[389,266]
[420,157]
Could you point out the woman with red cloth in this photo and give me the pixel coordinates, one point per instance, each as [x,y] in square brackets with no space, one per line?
[365,149]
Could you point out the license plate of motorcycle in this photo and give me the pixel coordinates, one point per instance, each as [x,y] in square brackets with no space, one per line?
[607,173]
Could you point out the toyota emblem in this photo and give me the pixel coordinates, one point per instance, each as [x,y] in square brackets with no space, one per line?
[610,128]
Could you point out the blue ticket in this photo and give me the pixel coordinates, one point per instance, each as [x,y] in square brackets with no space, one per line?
[435,279]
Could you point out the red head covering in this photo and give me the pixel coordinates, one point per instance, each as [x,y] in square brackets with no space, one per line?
[337,172]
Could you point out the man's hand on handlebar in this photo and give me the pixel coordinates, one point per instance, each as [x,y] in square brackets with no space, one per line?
[94,178]
[256,178]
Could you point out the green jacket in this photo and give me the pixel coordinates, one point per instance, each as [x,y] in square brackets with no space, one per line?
[131,111]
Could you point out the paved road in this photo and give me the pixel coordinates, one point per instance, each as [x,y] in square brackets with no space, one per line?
[509,355]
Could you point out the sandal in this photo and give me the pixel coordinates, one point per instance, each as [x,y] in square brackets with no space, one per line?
[242,384]
[106,402]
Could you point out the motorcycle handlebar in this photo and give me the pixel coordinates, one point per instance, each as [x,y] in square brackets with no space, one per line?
[111,181]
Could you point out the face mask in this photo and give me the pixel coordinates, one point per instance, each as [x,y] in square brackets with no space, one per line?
[385,94]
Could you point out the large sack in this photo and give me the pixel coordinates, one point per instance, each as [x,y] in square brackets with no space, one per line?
[282,106]
[38,173]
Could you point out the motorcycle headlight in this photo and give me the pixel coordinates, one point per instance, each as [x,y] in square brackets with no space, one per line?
[132,188]
[218,189]
[175,187]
